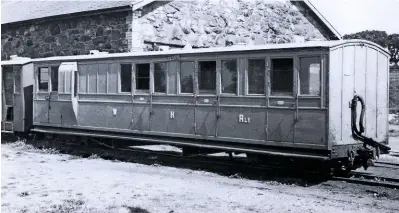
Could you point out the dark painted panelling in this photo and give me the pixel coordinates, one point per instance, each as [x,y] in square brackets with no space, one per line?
[93,114]
[280,126]
[28,95]
[18,113]
[54,109]
[313,102]
[68,117]
[206,121]
[160,118]
[311,127]
[142,98]
[41,112]
[110,97]
[102,115]
[248,101]
[183,121]
[277,102]
[141,117]
[173,99]
[172,119]
[206,100]
[64,97]
[229,125]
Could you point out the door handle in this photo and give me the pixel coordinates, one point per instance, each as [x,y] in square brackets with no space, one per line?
[47,97]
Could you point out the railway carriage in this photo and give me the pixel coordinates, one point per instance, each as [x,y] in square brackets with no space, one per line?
[288,100]
[17,95]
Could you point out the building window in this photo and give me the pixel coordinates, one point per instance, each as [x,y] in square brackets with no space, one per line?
[160,70]
[54,78]
[281,76]
[126,78]
[229,76]
[43,78]
[256,76]
[143,76]
[207,77]
[186,77]
[309,76]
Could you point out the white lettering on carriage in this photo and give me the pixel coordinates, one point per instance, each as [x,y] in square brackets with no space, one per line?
[172,114]
[243,119]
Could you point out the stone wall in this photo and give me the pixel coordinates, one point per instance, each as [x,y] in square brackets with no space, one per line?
[72,36]
[207,23]
[202,23]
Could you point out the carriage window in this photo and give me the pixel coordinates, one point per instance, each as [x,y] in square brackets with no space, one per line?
[256,76]
[160,71]
[142,76]
[229,76]
[281,76]
[43,78]
[126,78]
[207,77]
[54,78]
[186,77]
[309,76]
[17,79]
[75,84]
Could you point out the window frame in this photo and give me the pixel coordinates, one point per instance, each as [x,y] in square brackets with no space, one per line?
[246,76]
[38,76]
[152,77]
[320,79]
[134,67]
[196,76]
[119,79]
[237,73]
[195,67]
[17,90]
[51,77]
[294,75]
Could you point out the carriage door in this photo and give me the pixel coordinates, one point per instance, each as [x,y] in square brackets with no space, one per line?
[54,104]
[49,111]
[207,100]
[7,92]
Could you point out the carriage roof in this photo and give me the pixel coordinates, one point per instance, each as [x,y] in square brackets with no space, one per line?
[234,48]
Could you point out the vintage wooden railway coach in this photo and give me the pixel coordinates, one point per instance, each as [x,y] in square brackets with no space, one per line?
[290,100]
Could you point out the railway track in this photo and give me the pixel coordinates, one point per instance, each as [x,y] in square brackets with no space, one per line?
[386,165]
[233,167]
[371,180]
[393,153]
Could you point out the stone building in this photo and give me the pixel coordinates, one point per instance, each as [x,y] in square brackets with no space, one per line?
[50,28]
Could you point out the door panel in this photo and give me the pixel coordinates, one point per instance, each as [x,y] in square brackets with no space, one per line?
[310,128]
[206,121]
[280,125]
[54,109]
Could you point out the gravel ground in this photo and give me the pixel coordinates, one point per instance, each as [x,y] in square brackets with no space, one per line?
[43,181]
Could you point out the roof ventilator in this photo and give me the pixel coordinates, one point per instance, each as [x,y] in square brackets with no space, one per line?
[96,52]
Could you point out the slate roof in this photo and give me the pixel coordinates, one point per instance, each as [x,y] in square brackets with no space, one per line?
[23,10]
